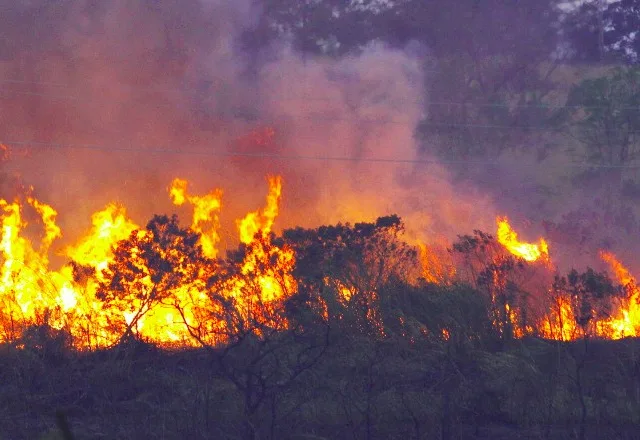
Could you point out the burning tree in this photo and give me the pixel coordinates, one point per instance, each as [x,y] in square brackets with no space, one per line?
[345,268]
[590,294]
[488,268]
[153,268]
[256,330]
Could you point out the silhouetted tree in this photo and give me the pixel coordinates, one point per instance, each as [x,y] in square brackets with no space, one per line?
[346,267]
[258,331]
[502,278]
[603,115]
[148,267]
[591,294]
[600,31]
[329,27]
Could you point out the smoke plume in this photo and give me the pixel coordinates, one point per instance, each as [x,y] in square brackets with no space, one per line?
[109,101]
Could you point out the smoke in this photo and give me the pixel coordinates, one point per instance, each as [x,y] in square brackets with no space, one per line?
[148,91]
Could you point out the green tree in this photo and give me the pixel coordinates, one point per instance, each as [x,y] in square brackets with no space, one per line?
[329,27]
[599,31]
[489,83]
[603,115]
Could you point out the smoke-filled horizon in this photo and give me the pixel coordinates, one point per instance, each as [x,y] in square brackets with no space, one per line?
[174,76]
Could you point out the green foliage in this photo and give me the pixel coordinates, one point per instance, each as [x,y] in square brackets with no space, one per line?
[364,255]
[603,115]
[359,260]
[421,313]
[54,434]
[604,31]
[332,27]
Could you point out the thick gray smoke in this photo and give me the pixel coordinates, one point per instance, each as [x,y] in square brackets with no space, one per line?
[148,91]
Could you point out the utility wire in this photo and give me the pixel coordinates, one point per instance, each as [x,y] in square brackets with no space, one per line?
[365,120]
[285,157]
[306,98]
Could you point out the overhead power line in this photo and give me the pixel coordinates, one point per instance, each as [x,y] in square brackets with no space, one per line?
[378,121]
[285,157]
[302,98]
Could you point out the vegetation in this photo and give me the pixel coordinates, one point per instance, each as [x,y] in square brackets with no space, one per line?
[356,343]
[363,350]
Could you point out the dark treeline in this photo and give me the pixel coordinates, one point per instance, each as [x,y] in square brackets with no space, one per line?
[396,357]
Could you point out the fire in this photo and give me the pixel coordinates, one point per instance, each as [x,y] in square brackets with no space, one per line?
[263,220]
[265,278]
[5,153]
[24,281]
[205,214]
[75,297]
[528,251]
[167,284]
[365,302]
[437,266]
[560,323]
[108,227]
[626,320]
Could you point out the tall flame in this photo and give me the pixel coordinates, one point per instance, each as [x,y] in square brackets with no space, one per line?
[205,214]
[31,293]
[528,251]
[626,319]
[560,323]
[262,220]
[266,273]
[257,280]
[437,266]
[108,227]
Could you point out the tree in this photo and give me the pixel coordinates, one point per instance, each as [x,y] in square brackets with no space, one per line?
[263,346]
[622,35]
[583,30]
[491,79]
[505,281]
[599,31]
[329,27]
[603,115]
[347,266]
[591,294]
[147,269]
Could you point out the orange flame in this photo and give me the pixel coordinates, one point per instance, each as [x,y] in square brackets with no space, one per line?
[560,323]
[437,265]
[528,251]
[32,294]
[205,214]
[262,220]
[108,227]
[626,320]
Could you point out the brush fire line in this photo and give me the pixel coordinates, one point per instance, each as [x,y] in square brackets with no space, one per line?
[154,282]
